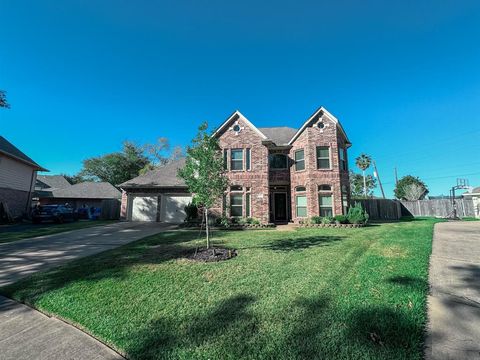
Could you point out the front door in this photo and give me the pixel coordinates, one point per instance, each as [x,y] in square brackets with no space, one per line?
[280,207]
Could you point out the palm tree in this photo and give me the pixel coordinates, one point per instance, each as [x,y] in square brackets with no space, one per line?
[363,163]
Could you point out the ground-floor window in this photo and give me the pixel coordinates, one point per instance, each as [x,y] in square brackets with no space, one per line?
[236,204]
[247,203]
[301,205]
[325,204]
[344,199]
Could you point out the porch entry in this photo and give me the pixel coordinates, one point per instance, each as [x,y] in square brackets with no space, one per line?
[280,207]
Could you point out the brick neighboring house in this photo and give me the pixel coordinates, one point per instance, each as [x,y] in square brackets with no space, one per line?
[18,173]
[276,174]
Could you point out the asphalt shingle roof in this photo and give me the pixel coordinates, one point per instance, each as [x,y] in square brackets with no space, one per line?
[165,176]
[11,150]
[84,190]
[54,181]
[280,135]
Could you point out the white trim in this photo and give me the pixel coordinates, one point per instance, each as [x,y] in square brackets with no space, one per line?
[241,116]
[329,115]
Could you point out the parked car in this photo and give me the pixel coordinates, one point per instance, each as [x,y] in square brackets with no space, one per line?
[56,213]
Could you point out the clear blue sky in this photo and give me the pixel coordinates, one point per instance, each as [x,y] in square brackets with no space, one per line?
[403,77]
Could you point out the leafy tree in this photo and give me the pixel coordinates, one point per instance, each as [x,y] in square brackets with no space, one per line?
[116,167]
[357,185]
[3,100]
[73,179]
[159,154]
[405,191]
[204,172]
[363,163]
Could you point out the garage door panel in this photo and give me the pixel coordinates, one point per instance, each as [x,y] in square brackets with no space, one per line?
[144,208]
[174,210]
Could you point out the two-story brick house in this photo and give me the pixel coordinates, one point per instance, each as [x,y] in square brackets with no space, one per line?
[277,174]
[282,174]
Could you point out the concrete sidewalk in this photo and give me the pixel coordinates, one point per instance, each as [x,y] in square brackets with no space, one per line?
[28,334]
[454,301]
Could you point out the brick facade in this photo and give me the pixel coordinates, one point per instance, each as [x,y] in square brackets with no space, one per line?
[263,182]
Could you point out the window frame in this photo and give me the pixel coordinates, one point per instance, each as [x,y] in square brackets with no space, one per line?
[232,160]
[297,196]
[237,194]
[320,206]
[342,159]
[248,159]
[270,156]
[298,161]
[319,158]
[225,159]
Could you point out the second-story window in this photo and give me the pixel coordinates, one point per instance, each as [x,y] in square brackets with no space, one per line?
[236,159]
[225,159]
[342,155]
[299,160]
[323,157]
[247,158]
[278,161]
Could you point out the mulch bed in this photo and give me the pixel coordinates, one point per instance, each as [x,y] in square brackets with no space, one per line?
[213,254]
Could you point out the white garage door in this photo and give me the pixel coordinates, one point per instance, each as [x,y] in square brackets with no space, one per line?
[174,209]
[144,208]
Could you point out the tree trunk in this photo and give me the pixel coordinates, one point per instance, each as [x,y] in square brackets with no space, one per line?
[206,228]
[364,184]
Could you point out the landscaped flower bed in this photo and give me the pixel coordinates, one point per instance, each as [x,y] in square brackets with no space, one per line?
[196,225]
[332,225]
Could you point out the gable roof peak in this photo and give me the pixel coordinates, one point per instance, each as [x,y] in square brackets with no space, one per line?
[235,115]
[324,111]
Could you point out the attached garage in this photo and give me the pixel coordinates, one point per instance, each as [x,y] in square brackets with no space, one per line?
[158,195]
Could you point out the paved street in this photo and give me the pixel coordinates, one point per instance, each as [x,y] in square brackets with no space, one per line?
[454,302]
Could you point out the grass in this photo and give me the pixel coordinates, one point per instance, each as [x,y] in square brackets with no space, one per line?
[15,232]
[305,294]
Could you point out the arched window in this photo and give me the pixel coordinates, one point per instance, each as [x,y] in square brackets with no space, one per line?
[278,161]
[300,189]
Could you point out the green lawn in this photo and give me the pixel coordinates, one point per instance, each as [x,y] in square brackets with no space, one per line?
[306,294]
[10,233]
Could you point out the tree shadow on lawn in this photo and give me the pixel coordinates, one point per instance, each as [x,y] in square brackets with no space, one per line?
[387,333]
[302,243]
[111,264]
[409,281]
[231,330]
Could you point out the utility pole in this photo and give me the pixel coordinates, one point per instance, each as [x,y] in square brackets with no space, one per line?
[396,177]
[378,177]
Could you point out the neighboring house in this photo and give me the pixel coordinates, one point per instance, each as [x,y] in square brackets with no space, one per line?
[474,195]
[18,173]
[84,194]
[51,182]
[276,174]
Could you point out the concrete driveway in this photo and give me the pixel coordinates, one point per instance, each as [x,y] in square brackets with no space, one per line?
[26,333]
[24,257]
[454,301]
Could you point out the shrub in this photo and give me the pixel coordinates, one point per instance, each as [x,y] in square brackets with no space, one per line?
[243,221]
[253,221]
[341,219]
[223,221]
[191,211]
[357,215]
[315,220]
[327,220]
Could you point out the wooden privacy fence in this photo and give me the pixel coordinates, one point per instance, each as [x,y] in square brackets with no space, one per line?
[387,209]
[438,208]
[381,209]
[110,209]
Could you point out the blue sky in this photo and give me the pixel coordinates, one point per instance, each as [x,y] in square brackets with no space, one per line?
[403,77]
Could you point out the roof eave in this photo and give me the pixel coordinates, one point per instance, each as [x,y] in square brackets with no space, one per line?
[32,164]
